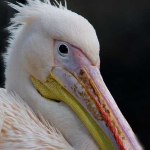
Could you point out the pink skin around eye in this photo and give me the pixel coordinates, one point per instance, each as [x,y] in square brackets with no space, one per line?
[75,57]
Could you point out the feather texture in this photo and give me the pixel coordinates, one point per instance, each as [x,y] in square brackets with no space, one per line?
[21,129]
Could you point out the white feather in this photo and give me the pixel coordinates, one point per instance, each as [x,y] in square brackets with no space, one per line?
[21,129]
[30,52]
[70,26]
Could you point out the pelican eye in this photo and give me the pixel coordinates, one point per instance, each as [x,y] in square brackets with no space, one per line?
[63,49]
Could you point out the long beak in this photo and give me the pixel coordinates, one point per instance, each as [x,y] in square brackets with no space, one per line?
[85,92]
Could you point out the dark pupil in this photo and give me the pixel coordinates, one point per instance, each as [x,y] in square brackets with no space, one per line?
[63,49]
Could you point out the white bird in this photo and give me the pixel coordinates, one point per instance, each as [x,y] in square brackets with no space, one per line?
[52,64]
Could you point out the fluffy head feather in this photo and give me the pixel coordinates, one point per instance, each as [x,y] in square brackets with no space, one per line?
[58,23]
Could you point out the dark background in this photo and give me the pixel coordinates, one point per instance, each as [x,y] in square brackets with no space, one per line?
[123,29]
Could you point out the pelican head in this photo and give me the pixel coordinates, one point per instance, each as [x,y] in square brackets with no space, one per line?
[53,64]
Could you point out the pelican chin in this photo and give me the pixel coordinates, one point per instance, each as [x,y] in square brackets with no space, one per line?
[53,64]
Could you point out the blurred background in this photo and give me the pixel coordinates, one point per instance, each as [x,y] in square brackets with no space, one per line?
[123,29]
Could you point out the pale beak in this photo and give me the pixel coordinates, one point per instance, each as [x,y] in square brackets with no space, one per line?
[88,87]
[85,92]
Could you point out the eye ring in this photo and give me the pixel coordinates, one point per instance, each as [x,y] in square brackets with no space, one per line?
[63,49]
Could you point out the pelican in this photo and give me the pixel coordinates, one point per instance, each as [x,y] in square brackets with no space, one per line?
[52,66]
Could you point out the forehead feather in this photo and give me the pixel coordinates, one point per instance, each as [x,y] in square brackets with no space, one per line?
[62,24]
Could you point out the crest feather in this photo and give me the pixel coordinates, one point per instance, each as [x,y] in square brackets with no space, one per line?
[30,11]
